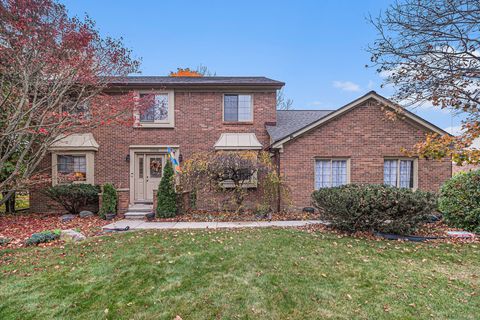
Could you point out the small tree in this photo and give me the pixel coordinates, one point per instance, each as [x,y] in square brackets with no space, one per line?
[109,200]
[232,172]
[166,195]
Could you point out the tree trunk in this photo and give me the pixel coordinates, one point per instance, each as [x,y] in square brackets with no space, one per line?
[10,203]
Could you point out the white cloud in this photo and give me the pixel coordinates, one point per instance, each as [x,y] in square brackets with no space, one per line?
[455,130]
[346,86]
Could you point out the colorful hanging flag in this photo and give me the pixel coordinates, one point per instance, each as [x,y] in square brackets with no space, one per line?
[175,164]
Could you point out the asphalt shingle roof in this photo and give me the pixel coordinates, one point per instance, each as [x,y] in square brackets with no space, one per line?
[186,81]
[290,121]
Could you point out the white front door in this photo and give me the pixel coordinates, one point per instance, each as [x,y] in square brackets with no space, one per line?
[148,173]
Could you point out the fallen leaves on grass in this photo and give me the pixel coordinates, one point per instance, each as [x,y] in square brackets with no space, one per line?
[20,227]
[206,216]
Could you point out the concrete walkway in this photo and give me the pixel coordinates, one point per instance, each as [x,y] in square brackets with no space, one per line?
[140,224]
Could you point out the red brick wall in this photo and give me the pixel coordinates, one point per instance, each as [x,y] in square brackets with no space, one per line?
[465,168]
[198,125]
[365,136]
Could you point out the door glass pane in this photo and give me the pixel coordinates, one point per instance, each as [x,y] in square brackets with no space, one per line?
[140,167]
[156,167]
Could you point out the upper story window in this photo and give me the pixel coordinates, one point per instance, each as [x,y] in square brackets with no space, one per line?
[237,108]
[78,109]
[331,172]
[155,109]
[400,173]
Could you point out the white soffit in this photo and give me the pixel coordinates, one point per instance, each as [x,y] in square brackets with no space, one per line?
[76,141]
[238,141]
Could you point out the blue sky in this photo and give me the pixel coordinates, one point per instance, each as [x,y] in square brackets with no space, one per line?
[316,47]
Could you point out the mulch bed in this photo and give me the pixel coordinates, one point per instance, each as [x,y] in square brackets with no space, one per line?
[208,216]
[437,229]
[21,226]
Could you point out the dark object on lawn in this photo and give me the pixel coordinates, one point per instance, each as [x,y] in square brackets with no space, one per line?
[85,213]
[116,229]
[390,236]
[67,217]
[150,216]
[434,218]
[110,216]
[309,210]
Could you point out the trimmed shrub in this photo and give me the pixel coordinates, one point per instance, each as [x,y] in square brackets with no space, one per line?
[109,200]
[42,237]
[73,196]
[459,201]
[4,241]
[374,208]
[166,196]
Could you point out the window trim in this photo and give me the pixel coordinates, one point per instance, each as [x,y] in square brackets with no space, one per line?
[398,159]
[251,107]
[315,159]
[90,165]
[169,123]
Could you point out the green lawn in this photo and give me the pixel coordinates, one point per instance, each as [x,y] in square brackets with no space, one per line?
[247,274]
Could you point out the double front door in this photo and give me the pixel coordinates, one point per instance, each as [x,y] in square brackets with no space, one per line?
[148,172]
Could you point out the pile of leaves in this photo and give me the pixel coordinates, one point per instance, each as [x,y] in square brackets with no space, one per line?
[225,216]
[18,228]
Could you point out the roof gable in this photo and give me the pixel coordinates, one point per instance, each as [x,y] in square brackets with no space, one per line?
[372,94]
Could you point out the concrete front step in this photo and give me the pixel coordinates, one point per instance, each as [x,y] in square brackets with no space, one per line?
[136,214]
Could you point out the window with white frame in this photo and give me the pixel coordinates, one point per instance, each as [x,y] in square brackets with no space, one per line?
[331,173]
[237,108]
[399,173]
[155,109]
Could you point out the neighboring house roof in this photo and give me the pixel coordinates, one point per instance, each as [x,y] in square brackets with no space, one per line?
[290,121]
[194,81]
[238,141]
[277,143]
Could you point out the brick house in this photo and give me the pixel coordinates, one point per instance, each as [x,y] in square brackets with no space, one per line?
[314,149]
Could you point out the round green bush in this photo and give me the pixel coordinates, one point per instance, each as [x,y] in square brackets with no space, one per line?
[374,208]
[459,201]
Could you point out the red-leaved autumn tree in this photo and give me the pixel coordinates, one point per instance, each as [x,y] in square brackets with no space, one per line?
[54,70]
